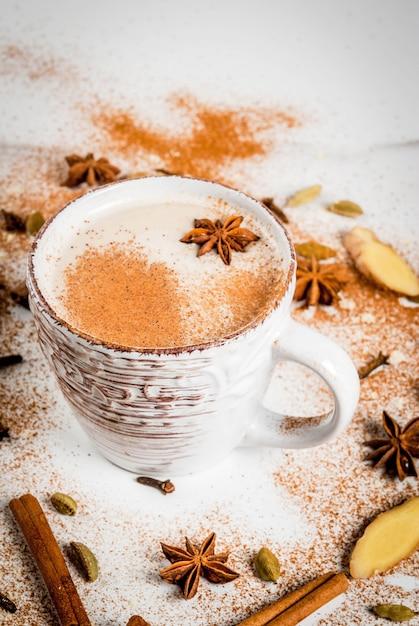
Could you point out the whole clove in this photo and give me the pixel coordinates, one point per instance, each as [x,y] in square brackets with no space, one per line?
[269,202]
[165,486]
[373,364]
[10,359]
[7,605]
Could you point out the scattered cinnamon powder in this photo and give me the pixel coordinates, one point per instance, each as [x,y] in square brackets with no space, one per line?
[334,489]
[215,137]
[34,64]
[31,177]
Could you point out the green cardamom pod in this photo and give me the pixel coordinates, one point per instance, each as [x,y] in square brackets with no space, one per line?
[304,196]
[313,248]
[347,208]
[267,565]
[394,612]
[85,561]
[63,503]
[34,222]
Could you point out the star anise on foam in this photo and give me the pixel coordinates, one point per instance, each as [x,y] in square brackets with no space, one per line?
[196,561]
[396,453]
[223,236]
[319,283]
[90,170]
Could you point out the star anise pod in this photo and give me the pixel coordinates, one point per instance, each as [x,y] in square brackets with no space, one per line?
[11,221]
[224,236]
[188,565]
[396,453]
[20,296]
[137,620]
[4,432]
[319,283]
[90,170]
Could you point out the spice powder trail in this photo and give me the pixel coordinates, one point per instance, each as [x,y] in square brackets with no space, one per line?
[216,138]
[35,64]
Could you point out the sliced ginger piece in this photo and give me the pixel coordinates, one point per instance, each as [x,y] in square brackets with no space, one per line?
[364,234]
[387,540]
[388,269]
[356,238]
[380,262]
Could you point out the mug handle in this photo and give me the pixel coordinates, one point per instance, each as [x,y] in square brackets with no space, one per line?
[308,347]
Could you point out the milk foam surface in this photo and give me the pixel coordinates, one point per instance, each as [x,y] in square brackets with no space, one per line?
[217,300]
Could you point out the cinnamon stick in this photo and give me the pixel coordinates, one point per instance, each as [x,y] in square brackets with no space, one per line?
[298,604]
[57,558]
[49,558]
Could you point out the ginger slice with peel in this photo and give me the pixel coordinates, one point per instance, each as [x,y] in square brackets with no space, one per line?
[387,540]
[379,262]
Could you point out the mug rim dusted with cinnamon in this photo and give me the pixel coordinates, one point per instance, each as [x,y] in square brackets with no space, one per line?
[199,345]
[181,408]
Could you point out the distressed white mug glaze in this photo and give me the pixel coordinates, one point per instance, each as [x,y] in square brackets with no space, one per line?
[179,410]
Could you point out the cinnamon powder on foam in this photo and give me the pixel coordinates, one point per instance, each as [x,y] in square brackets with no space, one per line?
[115,295]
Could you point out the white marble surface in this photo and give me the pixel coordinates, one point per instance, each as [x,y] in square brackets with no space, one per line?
[349,69]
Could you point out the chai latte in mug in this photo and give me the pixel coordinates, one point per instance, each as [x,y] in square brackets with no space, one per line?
[125,277]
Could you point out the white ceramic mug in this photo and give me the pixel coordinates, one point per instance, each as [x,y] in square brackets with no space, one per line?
[175,411]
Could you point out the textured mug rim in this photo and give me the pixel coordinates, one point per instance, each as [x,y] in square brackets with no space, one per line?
[118,348]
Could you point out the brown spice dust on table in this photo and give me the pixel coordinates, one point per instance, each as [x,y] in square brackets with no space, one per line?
[338,481]
[214,138]
[34,64]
